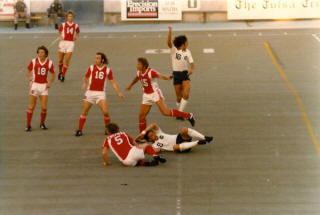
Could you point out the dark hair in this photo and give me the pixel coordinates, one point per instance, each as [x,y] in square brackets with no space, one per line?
[146,137]
[112,128]
[69,12]
[144,62]
[44,49]
[104,58]
[179,41]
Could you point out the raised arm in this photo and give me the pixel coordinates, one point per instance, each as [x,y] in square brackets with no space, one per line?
[152,126]
[169,43]
[115,86]
[134,81]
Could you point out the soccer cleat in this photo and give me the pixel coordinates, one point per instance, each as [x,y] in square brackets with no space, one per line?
[59,76]
[28,129]
[208,139]
[62,79]
[179,118]
[202,142]
[159,159]
[151,163]
[78,133]
[43,127]
[191,120]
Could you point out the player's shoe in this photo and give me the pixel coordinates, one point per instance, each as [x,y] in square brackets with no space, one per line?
[179,118]
[202,142]
[78,133]
[208,139]
[159,159]
[43,127]
[28,129]
[192,120]
[151,163]
[62,79]
[59,76]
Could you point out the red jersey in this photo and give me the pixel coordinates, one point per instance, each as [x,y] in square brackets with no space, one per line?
[40,70]
[120,143]
[68,31]
[148,80]
[98,77]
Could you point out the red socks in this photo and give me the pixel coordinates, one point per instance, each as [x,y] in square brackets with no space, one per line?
[64,70]
[142,125]
[176,113]
[29,117]
[43,116]
[149,150]
[82,120]
[60,67]
[106,120]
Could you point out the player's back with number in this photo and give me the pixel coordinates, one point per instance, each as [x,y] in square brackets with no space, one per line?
[120,143]
[40,70]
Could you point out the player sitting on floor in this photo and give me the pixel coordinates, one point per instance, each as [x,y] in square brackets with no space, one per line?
[177,142]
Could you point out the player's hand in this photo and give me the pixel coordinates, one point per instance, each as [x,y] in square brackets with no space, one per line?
[190,72]
[48,85]
[170,77]
[60,36]
[128,88]
[30,78]
[121,95]
[106,163]
[75,38]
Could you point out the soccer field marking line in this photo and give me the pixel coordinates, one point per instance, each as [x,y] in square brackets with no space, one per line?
[297,97]
[179,187]
[208,51]
[316,37]
[53,42]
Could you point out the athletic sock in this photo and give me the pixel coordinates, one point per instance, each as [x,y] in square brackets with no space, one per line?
[106,120]
[64,70]
[195,134]
[43,116]
[176,113]
[29,117]
[149,150]
[183,104]
[82,120]
[142,125]
[187,145]
[60,67]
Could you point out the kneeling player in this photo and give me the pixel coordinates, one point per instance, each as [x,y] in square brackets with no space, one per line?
[126,150]
[178,142]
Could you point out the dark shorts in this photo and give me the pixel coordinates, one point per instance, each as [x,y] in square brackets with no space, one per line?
[179,77]
[181,140]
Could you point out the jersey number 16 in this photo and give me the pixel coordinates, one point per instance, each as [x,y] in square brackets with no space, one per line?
[99,75]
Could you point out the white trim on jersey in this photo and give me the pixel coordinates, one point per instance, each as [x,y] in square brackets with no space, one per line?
[33,71]
[62,32]
[90,77]
[105,80]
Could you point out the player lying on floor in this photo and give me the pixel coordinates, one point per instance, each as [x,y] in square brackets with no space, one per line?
[126,149]
[177,142]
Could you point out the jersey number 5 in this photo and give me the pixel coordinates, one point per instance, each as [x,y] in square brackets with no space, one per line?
[118,139]
[99,75]
[145,82]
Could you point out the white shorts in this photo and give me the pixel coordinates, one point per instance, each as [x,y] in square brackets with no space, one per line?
[37,89]
[134,156]
[149,99]
[94,97]
[66,46]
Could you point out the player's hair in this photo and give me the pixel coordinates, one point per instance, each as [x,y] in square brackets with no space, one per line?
[112,128]
[146,137]
[44,49]
[69,12]
[179,41]
[103,57]
[144,62]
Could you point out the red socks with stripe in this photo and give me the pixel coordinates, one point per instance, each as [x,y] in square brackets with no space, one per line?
[64,70]
[149,150]
[29,117]
[142,125]
[176,113]
[82,120]
[43,116]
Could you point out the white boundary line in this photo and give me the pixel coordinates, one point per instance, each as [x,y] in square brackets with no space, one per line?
[316,37]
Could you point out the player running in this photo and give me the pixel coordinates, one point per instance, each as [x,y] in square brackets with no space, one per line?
[178,142]
[68,33]
[95,82]
[152,94]
[126,150]
[181,58]
[37,73]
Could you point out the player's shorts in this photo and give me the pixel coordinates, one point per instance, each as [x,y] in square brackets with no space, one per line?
[149,99]
[180,140]
[179,77]
[66,46]
[135,154]
[37,89]
[94,97]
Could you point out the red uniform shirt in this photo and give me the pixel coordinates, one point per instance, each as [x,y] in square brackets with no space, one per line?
[68,31]
[120,143]
[40,70]
[148,80]
[98,77]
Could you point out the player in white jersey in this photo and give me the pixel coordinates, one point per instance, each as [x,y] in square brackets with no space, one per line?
[177,142]
[182,66]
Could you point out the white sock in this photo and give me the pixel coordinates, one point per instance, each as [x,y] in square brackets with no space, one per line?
[195,134]
[183,104]
[187,145]
[178,104]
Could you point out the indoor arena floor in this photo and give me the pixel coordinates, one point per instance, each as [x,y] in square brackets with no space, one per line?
[256,92]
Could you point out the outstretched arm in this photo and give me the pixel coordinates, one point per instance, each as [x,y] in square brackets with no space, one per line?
[115,86]
[135,80]
[169,43]
[152,126]
[163,77]
[105,156]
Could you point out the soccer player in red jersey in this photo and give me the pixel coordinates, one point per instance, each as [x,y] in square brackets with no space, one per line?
[68,33]
[95,82]
[152,94]
[37,73]
[126,150]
